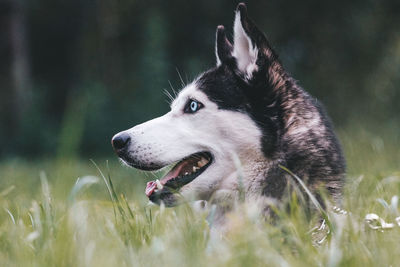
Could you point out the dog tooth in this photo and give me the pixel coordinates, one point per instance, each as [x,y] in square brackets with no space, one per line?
[159,185]
[186,173]
[202,162]
[194,169]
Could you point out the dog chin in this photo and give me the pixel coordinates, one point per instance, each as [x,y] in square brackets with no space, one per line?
[186,194]
[168,199]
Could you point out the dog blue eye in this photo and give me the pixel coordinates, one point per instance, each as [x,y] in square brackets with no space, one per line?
[192,106]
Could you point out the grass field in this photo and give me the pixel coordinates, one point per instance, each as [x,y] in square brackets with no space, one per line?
[48,218]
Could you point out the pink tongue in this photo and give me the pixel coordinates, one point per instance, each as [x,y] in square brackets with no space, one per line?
[152,185]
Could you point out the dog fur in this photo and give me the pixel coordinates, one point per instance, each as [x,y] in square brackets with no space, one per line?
[254,119]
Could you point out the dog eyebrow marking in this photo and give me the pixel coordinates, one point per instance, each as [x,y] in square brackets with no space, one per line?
[182,96]
[190,91]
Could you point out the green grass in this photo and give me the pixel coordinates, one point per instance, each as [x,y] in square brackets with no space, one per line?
[47,218]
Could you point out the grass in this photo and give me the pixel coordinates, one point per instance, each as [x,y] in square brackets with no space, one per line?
[49,217]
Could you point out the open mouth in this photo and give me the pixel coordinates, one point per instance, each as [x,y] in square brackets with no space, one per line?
[184,172]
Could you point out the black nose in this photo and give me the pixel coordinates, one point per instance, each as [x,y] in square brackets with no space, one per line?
[120,141]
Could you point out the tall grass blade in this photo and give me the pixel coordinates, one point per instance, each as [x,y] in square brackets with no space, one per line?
[81,184]
[310,195]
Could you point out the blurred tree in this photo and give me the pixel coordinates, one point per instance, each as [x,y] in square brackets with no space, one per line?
[14,66]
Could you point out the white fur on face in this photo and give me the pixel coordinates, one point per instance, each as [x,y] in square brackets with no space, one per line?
[243,49]
[227,135]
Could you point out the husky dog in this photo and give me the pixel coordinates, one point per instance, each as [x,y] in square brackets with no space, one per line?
[230,130]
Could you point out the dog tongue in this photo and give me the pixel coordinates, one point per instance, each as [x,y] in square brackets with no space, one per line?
[152,185]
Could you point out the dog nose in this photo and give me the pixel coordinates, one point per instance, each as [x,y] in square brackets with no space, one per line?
[120,141]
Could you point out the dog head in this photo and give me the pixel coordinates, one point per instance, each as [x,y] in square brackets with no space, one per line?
[215,122]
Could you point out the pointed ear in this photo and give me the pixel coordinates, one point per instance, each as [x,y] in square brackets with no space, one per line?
[223,48]
[251,48]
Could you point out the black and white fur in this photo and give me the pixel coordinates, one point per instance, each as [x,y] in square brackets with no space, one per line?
[255,117]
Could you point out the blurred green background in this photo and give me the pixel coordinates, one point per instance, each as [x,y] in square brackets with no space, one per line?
[73,73]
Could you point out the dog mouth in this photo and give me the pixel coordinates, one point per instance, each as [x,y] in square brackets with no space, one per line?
[184,172]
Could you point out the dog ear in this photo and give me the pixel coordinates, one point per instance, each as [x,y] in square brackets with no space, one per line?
[223,48]
[251,49]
